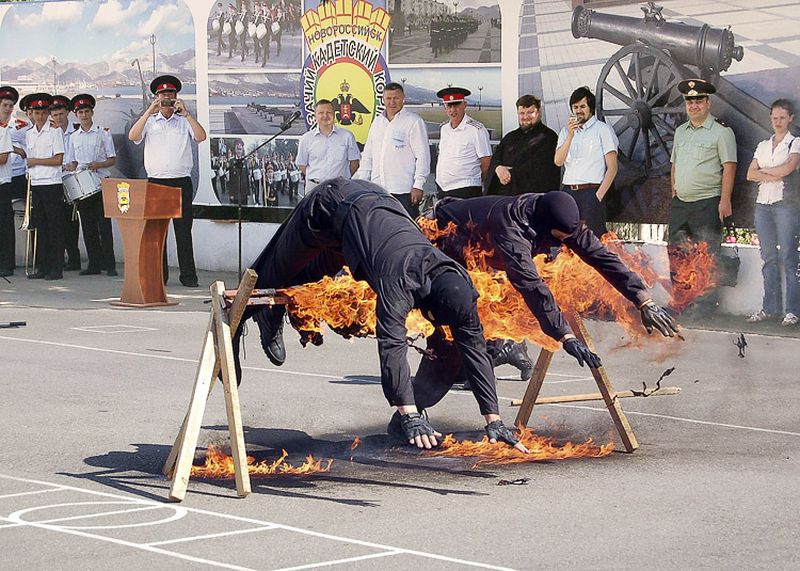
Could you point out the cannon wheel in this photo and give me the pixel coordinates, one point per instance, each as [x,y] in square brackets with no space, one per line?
[637,94]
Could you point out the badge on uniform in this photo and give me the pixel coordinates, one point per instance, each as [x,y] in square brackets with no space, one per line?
[123,196]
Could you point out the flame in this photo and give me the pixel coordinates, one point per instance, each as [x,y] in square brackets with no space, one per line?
[347,306]
[356,442]
[541,448]
[219,465]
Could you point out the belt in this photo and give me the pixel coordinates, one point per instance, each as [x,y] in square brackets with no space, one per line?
[587,186]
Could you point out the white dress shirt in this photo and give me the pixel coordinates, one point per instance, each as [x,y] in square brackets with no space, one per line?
[586,159]
[167,150]
[397,156]
[45,144]
[327,156]
[19,138]
[460,153]
[6,147]
[94,145]
[766,156]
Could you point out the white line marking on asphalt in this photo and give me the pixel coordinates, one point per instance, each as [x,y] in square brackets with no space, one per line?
[682,419]
[211,535]
[113,329]
[29,493]
[231,517]
[340,561]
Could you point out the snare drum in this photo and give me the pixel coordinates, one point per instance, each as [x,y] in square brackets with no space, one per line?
[80,184]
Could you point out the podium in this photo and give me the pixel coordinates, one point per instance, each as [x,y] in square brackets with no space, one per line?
[143,211]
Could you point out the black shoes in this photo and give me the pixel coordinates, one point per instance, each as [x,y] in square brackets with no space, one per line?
[36,276]
[190,282]
[112,273]
[89,272]
[6,273]
[507,352]
[52,277]
[270,326]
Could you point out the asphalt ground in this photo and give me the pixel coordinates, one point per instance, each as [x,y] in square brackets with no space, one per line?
[93,396]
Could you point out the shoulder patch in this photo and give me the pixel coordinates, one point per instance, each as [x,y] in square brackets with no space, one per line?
[106,129]
[443,123]
[720,122]
[475,123]
[20,123]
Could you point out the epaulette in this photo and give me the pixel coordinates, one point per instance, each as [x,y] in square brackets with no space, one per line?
[76,126]
[720,122]
[474,123]
[21,123]
[443,123]
[106,129]
[3,125]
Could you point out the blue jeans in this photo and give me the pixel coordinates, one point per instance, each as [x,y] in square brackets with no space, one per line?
[778,225]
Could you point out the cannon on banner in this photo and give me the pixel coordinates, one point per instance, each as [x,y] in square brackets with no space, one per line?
[637,88]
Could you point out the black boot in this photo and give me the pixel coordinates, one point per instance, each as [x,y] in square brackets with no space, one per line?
[507,352]
[270,325]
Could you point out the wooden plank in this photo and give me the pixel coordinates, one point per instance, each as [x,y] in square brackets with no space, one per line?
[194,417]
[235,313]
[534,387]
[663,391]
[232,408]
[606,388]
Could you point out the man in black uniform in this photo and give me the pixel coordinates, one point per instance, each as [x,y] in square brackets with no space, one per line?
[355,222]
[515,229]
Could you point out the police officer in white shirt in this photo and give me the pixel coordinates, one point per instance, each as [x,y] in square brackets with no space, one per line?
[8,98]
[327,151]
[90,147]
[397,154]
[167,129]
[45,157]
[464,150]
[59,117]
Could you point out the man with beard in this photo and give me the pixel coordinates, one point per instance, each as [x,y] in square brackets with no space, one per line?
[523,161]
[587,149]
[351,222]
[515,229]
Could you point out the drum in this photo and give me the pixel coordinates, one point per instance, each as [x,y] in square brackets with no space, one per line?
[251,30]
[215,24]
[80,184]
[276,28]
[226,29]
[294,176]
[261,31]
[239,28]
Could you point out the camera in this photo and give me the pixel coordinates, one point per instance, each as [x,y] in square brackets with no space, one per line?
[168,103]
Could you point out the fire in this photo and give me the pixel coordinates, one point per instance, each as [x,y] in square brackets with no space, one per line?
[219,465]
[541,448]
[355,444]
[347,306]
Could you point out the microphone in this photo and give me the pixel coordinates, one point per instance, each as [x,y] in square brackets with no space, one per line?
[288,123]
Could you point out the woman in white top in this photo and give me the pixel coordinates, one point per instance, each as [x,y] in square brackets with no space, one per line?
[777,215]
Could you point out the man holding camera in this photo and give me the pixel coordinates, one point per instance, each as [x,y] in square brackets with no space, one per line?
[167,128]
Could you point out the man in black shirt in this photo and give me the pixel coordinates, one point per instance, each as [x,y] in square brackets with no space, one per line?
[515,229]
[523,161]
[355,222]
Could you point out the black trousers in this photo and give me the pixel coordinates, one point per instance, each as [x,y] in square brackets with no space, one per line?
[464,192]
[72,229]
[7,238]
[98,236]
[592,211]
[405,200]
[182,228]
[47,203]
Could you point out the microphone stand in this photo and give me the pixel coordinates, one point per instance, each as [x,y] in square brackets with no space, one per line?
[239,161]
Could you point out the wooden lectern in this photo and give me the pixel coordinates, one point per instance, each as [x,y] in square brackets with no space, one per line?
[143,210]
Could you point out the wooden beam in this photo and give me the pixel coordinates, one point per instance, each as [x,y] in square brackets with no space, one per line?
[663,391]
[534,386]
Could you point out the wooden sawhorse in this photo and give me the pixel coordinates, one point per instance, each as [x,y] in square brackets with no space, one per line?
[216,356]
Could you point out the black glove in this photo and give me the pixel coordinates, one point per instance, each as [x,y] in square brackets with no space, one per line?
[415,424]
[496,430]
[655,316]
[577,349]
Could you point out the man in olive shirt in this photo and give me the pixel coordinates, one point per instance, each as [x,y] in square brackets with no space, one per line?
[703,169]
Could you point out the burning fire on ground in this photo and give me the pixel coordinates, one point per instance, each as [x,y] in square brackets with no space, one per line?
[541,448]
[219,465]
[347,306]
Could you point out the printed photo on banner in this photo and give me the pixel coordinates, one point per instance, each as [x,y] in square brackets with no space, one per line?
[253,34]
[113,60]
[484,104]
[432,31]
[269,178]
[256,104]
[345,42]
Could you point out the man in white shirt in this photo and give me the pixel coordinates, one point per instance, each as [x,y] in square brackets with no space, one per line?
[464,150]
[397,156]
[90,147]
[59,117]
[8,98]
[327,151]
[167,128]
[587,149]
[45,157]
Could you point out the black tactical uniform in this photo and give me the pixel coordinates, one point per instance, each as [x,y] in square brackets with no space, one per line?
[355,222]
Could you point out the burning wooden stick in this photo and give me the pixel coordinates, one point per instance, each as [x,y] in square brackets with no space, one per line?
[663,391]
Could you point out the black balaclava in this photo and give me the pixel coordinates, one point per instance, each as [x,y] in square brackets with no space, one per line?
[554,210]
